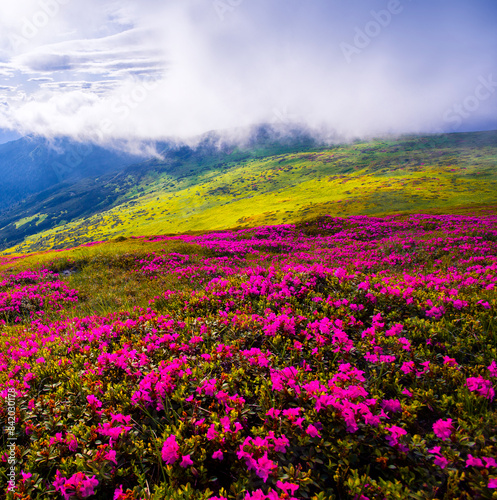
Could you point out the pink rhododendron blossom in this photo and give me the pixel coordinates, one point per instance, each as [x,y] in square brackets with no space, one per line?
[288,488]
[273,413]
[111,456]
[186,461]
[481,386]
[439,459]
[78,485]
[72,443]
[473,462]
[170,450]
[119,493]
[211,432]
[407,367]
[449,361]
[280,443]
[392,405]
[395,432]
[443,428]
[312,431]
[93,401]
[25,475]
[256,495]
[264,467]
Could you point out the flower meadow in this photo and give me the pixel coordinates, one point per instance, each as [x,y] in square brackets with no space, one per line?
[339,358]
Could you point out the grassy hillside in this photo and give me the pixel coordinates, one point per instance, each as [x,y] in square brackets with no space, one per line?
[222,189]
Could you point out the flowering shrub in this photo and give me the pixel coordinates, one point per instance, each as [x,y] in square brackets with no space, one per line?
[341,359]
[31,294]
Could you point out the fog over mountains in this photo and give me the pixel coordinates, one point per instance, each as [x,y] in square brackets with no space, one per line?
[33,164]
[146,69]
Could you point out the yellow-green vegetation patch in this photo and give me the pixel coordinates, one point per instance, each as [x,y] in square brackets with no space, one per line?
[27,220]
[367,178]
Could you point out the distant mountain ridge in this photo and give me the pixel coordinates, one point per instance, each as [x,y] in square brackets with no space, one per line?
[33,164]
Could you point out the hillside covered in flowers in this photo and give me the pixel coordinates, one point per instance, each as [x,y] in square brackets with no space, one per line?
[341,358]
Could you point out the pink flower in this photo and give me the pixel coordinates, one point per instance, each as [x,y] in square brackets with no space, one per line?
[59,480]
[392,405]
[440,460]
[458,304]
[273,413]
[255,495]
[443,428]
[114,433]
[481,386]
[406,345]
[449,361]
[218,455]
[72,443]
[312,431]
[93,401]
[211,432]
[264,466]
[396,432]
[225,423]
[287,487]
[25,475]
[489,462]
[78,485]
[435,312]
[426,367]
[473,462]
[186,461]
[281,443]
[170,450]
[111,456]
[492,482]
[407,367]
[119,493]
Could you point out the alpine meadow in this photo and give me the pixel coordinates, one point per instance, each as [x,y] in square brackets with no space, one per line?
[248,250]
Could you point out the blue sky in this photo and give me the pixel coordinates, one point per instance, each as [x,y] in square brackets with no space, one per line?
[148,69]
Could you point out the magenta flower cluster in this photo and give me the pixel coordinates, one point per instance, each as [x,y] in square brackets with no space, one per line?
[349,357]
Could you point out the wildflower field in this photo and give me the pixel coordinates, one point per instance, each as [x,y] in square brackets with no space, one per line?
[339,358]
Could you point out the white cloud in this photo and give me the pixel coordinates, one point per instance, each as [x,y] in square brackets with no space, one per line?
[149,69]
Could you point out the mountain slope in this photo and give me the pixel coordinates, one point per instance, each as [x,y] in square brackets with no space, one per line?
[31,165]
[74,199]
[210,188]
